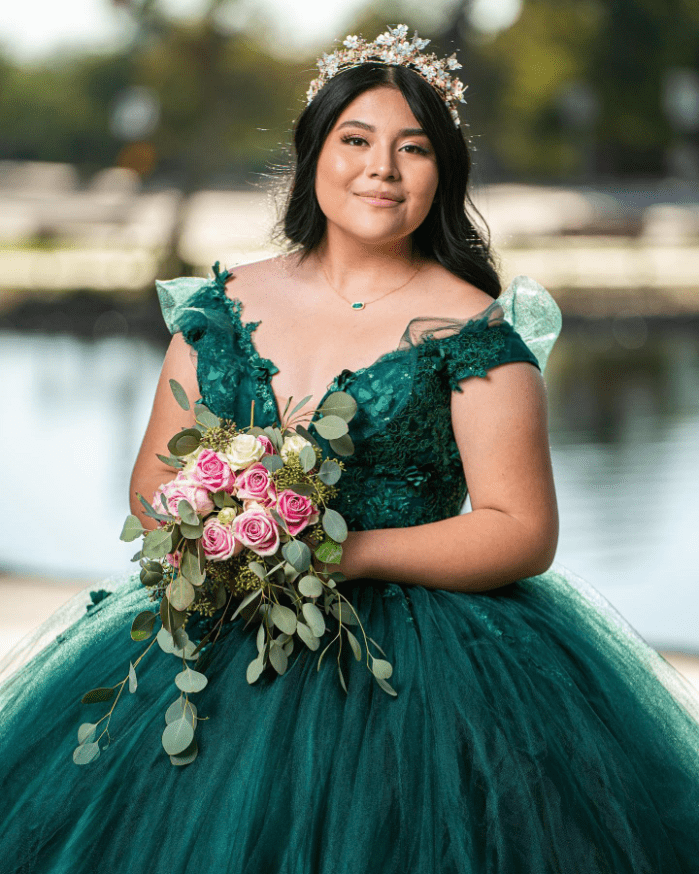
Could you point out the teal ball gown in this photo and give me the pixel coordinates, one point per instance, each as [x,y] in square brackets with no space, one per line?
[533,731]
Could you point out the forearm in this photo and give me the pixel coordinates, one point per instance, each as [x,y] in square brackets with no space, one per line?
[477,551]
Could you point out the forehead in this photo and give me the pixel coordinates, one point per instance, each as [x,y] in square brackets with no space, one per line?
[380,107]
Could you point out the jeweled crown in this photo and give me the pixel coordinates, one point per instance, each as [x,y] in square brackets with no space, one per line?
[393,48]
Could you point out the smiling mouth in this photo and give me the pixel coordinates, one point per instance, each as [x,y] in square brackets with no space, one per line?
[380,197]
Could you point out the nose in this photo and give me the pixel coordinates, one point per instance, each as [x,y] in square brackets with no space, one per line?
[382,163]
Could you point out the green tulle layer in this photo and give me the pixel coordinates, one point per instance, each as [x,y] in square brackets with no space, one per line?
[533,733]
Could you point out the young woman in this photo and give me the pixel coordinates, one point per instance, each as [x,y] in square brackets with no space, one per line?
[532,731]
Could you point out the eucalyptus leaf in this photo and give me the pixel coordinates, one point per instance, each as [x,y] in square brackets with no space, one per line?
[354,643]
[142,625]
[306,434]
[181,709]
[260,639]
[284,618]
[334,525]
[185,442]
[170,461]
[297,553]
[178,735]
[288,647]
[165,641]
[308,459]
[180,592]
[187,513]
[331,427]
[132,529]
[342,678]
[258,569]
[151,573]
[223,499]
[205,417]
[190,568]
[305,489]
[158,543]
[278,658]
[137,556]
[186,757]
[330,472]
[254,669]
[190,681]
[86,753]
[98,696]
[152,512]
[310,586]
[180,638]
[86,732]
[180,394]
[381,669]
[170,617]
[256,431]
[342,445]
[192,532]
[387,687]
[248,599]
[371,639]
[314,619]
[341,404]
[275,437]
[307,636]
[329,552]
[272,462]
[133,680]
[343,611]
[300,405]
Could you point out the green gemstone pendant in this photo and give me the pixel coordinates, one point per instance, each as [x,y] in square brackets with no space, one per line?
[358,305]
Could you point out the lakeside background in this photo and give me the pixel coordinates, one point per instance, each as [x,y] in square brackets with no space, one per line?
[159,153]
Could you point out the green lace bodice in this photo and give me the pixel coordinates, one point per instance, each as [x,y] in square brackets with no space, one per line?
[406,468]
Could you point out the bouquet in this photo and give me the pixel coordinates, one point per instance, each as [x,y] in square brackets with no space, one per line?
[244,528]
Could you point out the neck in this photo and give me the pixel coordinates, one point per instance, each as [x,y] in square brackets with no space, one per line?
[351,265]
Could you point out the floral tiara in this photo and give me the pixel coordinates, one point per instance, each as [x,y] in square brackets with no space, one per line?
[394,49]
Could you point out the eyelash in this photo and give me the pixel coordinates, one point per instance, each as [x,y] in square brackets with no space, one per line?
[418,149]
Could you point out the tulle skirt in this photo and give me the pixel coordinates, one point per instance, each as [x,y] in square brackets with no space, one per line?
[533,732]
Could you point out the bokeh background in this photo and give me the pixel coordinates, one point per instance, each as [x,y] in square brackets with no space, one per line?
[142,138]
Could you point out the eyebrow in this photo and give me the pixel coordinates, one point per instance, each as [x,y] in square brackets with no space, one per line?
[406,132]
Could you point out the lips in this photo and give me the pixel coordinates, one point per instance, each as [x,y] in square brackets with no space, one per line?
[380,195]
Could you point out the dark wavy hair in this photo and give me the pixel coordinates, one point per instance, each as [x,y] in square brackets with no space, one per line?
[447,234]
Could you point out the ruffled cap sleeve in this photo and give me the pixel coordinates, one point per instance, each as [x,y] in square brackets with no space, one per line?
[534,314]
[175,296]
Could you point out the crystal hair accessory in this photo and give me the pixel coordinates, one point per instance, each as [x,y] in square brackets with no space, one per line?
[393,48]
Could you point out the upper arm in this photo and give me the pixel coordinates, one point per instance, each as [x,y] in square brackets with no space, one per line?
[167,416]
[500,423]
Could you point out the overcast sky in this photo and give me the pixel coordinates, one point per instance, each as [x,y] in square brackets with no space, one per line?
[32,29]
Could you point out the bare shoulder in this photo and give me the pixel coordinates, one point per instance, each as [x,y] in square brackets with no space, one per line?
[453,297]
[261,275]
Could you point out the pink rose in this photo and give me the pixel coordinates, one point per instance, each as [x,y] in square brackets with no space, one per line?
[184,489]
[255,483]
[258,531]
[213,472]
[217,540]
[296,510]
[267,444]
[174,558]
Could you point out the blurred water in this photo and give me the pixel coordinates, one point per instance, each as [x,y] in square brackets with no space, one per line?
[624,433]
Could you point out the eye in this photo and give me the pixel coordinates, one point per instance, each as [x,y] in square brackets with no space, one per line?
[414,149]
[353,140]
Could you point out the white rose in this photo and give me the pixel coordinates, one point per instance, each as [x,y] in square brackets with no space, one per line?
[190,460]
[227,515]
[293,445]
[244,450]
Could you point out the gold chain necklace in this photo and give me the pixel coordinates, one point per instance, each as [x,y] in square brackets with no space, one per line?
[360,304]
